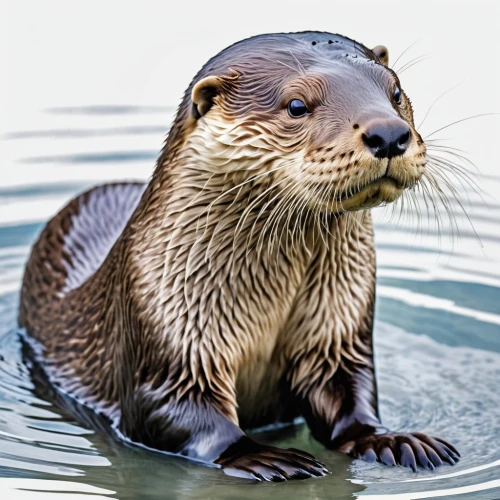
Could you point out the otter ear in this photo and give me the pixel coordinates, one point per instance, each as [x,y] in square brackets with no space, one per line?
[382,53]
[205,91]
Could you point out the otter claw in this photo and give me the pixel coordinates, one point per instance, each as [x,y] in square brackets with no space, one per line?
[408,450]
[250,460]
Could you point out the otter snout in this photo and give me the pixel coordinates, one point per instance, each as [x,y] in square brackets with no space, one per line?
[386,138]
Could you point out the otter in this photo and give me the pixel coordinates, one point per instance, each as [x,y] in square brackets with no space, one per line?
[236,289]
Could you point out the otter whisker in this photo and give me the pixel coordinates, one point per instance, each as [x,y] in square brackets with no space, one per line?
[294,202]
[316,214]
[413,62]
[254,203]
[352,220]
[420,189]
[281,200]
[341,193]
[460,172]
[441,169]
[402,54]
[303,218]
[320,196]
[296,223]
[336,196]
[401,212]
[289,210]
[445,203]
[456,153]
[221,223]
[436,100]
[302,69]
[394,207]
[247,181]
[459,202]
[459,121]
[323,203]
[272,224]
[441,175]
[272,244]
[430,143]
[428,190]
[320,202]
[414,202]
[328,196]
[239,186]
[408,210]
[299,71]
[455,165]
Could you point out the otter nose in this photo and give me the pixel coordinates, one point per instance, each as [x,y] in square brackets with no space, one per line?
[387,138]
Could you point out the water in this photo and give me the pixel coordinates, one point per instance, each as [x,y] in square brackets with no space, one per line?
[437,339]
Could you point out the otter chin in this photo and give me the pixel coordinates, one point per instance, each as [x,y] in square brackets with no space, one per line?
[383,190]
[234,291]
[377,192]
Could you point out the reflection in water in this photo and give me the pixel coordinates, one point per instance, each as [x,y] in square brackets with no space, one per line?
[37,489]
[83,133]
[437,342]
[113,156]
[30,428]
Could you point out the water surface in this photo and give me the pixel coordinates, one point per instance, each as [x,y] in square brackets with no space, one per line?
[437,339]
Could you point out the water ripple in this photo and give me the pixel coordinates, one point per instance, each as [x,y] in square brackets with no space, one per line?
[33,436]
[437,340]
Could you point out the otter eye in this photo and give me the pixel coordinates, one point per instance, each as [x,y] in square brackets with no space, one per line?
[397,95]
[297,108]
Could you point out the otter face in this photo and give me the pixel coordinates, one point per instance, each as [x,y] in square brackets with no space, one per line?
[365,151]
[330,123]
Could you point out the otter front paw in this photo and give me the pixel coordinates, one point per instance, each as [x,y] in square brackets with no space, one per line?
[251,460]
[408,450]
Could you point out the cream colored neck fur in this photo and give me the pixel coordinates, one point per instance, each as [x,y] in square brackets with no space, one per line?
[221,293]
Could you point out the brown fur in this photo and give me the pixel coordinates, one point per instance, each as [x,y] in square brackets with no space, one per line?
[240,291]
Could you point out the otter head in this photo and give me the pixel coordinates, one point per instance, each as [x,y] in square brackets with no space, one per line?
[318,116]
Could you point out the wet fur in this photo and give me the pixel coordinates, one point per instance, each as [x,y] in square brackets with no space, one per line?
[236,289]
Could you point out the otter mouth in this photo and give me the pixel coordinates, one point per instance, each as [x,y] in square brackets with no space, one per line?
[382,190]
[379,181]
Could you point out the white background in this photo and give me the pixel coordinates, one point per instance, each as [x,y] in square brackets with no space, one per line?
[70,52]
